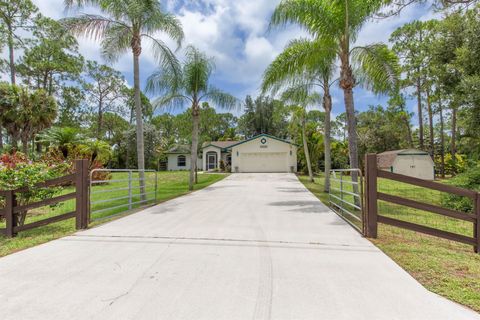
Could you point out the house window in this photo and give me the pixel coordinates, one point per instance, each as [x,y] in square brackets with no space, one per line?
[181,161]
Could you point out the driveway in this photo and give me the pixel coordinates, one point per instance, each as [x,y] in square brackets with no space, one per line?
[253,246]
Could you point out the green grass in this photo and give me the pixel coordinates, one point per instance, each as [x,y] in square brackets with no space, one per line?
[447,268]
[169,185]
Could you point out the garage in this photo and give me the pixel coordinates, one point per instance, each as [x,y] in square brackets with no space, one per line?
[264,153]
[264,162]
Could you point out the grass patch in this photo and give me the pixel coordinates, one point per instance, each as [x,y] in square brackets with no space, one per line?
[169,185]
[445,267]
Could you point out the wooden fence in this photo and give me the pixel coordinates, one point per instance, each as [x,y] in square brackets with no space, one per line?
[373,195]
[79,179]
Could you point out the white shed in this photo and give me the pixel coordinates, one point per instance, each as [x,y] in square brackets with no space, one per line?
[410,162]
[264,153]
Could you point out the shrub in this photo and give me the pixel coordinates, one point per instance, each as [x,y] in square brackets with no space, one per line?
[17,172]
[470,179]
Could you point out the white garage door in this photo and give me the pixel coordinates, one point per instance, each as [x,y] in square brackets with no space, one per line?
[264,162]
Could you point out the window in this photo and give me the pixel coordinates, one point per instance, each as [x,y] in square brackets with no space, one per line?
[181,161]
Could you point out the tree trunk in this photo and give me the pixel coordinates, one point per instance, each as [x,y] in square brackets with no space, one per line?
[430,124]
[25,146]
[100,119]
[194,149]
[11,55]
[327,105]
[453,150]
[442,140]
[1,137]
[420,115]
[139,129]
[305,149]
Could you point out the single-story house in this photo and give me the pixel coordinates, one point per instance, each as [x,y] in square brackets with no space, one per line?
[262,153]
[410,162]
[179,158]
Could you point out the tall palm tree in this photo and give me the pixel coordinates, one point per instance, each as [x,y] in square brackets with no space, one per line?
[122,27]
[304,62]
[302,96]
[339,22]
[189,86]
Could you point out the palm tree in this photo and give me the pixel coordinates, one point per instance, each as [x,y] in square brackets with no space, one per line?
[301,96]
[123,26]
[190,86]
[337,23]
[304,62]
[61,138]
[97,149]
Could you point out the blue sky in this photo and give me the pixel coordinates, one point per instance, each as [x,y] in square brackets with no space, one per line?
[235,34]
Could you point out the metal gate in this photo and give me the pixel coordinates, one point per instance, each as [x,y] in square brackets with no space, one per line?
[116,191]
[346,196]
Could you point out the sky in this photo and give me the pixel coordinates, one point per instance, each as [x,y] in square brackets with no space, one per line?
[235,33]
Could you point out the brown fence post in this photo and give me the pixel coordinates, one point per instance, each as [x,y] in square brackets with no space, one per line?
[10,218]
[81,186]
[371,195]
[476,226]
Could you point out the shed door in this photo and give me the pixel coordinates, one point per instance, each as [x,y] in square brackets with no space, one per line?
[264,162]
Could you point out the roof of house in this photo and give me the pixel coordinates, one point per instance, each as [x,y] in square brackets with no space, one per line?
[219,144]
[387,158]
[262,135]
[179,149]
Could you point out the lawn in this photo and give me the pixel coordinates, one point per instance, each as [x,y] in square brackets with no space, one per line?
[447,268]
[169,185]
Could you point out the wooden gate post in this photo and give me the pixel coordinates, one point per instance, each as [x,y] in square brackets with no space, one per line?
[10,218]
[476,226]
[81,186]
[371,195]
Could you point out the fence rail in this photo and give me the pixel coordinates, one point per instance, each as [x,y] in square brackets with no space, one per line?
[79,179]
[121,188]
[373,195]
[346,196]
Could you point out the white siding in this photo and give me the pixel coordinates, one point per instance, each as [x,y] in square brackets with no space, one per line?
[273,156]
[172,162]
[418,166]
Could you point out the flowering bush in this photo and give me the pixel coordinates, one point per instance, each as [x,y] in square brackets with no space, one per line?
[17,172]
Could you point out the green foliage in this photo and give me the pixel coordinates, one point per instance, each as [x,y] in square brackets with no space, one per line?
[470,179]
[62,139]
[17,172]
[264,115]
[24,113]
[453,166]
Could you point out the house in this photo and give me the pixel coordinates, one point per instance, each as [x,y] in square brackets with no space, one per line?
[262,153]
[179,158]
[410,162]
[214,152]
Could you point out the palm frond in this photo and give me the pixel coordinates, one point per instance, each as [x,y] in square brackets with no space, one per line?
[165,57]
[117,40]
[89,25]
[221,99]
[302,58]
[376,67]
[164,22]
[171,101]
[318,17]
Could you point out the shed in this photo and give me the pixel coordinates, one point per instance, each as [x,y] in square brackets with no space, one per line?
[410,162]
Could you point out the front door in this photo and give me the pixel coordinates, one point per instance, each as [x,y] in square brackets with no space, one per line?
[212,161]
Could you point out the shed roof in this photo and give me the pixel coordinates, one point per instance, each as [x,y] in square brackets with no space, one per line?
[387,158]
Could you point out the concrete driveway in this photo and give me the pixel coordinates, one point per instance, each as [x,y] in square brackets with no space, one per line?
[253,246]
